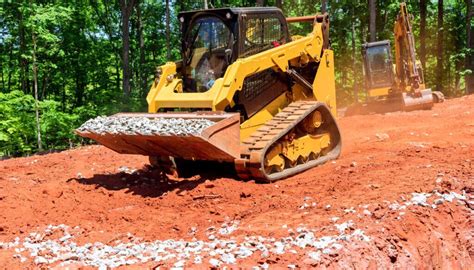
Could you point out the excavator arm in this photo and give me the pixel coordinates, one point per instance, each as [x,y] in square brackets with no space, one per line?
[407,70]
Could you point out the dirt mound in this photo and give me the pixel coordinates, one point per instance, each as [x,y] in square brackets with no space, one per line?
[402,193]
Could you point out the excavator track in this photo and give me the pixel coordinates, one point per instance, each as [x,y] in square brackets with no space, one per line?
[284,135]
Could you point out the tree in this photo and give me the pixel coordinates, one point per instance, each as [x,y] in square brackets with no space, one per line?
[168,31]
[423,33]
[107,16]
[372,20]
[353,46]
[23,61]
[323,6]
[439,48]
[126,7]
[470,46]
[260,3]
[41,23]
[35,83]
[141,44]
[278,4]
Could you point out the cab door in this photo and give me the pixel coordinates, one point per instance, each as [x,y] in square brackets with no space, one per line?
[378,65]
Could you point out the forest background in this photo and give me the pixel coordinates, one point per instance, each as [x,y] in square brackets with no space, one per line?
[63,62]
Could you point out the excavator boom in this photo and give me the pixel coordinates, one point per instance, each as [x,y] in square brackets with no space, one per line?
[405,55]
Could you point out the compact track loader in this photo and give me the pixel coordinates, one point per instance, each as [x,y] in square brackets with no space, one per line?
[271,97]
[394,87]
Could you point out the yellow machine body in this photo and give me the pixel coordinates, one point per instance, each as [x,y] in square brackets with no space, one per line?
[166,91]
[269,133]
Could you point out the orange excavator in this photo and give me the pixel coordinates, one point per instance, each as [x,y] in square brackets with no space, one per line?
[394,87]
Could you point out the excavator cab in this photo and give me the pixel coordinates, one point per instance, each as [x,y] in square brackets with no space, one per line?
[388,90]
[378,68]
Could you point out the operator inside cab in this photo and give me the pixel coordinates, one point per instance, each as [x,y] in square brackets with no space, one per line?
[379,66]
[208,43]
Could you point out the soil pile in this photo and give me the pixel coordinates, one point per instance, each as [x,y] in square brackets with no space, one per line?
[402,193]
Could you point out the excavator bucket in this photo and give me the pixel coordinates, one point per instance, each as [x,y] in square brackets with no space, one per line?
[400,102]
[168,134]
[424,101]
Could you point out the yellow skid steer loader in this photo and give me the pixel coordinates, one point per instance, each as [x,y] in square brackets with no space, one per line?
[245,92]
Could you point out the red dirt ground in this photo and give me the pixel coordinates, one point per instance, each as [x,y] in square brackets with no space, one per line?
[385,158]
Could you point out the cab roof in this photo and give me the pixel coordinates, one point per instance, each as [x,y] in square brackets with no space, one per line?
[233,10]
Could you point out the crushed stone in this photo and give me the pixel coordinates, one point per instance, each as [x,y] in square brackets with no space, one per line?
[132,125]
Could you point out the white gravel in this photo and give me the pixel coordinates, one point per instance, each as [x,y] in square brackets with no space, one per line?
[56,243]
[44,249]
[132,125]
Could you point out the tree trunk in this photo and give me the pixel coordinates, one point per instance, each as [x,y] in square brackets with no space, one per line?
[126,8]
[323,6]
[3,89]
[109,29]
[80,86]
[439,48]
[168,34]
[22,60]
[10,68]
[35,81]
[458,63]
[363,38]
[118,79]
[63,95]
[260,3]
[470,44]
[279,4]
[423,34]
[44,85]
[372,20]
[141,45]
[354,68]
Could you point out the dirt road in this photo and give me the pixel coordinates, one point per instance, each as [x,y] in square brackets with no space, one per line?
[402,193]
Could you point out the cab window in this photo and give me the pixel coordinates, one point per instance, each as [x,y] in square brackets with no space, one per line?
[208,44]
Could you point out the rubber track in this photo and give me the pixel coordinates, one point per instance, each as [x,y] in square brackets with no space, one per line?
[253,149]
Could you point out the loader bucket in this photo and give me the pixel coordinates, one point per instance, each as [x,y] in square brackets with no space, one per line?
[423,102]
[220,141]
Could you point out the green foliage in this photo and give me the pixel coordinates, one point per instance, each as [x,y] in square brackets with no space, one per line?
[56,126]
[17,135]
[17,124]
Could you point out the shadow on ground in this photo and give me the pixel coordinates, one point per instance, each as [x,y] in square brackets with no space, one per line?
[152,182]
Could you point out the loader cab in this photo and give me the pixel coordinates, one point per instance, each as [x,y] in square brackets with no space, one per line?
[378,66]
[214,39]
